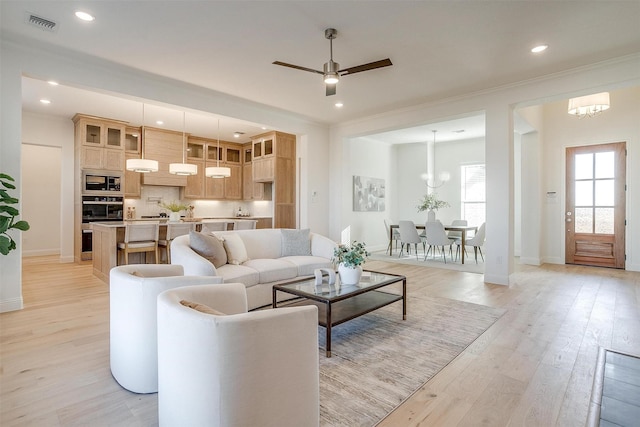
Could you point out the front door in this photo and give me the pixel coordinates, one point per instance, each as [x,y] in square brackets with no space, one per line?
[595,211]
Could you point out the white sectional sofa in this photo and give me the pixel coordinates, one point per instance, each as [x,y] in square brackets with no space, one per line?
[257,258]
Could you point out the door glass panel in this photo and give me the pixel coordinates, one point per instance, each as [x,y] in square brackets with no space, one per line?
[604,220]
[604,192]
[584,220]
[605,165]
[584,193]
[584,166]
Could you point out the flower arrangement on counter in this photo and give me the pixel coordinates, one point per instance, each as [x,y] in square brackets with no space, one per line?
[430,202]
[174,206]
[351,255]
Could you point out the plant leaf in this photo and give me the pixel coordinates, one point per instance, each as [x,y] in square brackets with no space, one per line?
[10,210]
[21,225]
[5,245]
[7,184]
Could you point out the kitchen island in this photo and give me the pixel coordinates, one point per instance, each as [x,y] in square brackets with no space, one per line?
[107,235]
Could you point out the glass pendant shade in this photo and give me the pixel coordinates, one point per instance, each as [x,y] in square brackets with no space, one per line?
[142,165]
[217,172]
[590,105]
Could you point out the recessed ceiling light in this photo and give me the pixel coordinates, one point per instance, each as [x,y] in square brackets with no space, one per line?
[264,128]
[237,134]
[459,131]
[53,83]
[84,16]
[339,104]
[159,122]
[45,101]
[540,48]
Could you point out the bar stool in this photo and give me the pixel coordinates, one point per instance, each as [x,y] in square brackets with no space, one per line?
[139,238]
[245,224]
[209,226]
[173,231]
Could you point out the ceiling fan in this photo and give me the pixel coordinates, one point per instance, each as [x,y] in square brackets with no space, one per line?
[332,71]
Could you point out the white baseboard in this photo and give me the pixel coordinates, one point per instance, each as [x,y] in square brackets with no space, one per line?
[40,252]
[530,261]
[11,305]
[553,260]
[67,259]
[632,267]
[496,279]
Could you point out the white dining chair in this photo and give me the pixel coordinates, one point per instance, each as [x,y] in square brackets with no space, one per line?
[408,235]
[476,241]
[436,237]
[394,237]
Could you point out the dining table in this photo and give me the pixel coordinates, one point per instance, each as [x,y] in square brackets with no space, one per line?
[463,229]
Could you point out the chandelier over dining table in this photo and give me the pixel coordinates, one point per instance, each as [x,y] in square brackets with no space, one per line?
[429,177]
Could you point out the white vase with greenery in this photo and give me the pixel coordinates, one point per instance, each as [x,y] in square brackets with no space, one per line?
[349,259]
[431,204]
[174,208]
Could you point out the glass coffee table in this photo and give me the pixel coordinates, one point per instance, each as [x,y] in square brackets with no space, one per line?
[339,303]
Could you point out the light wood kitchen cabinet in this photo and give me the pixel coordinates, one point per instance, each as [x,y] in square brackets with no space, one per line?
[233,183]
[251,190]
[132,139]
[274,160]
[132,186]
[100,142]
[166,147]
[195,188]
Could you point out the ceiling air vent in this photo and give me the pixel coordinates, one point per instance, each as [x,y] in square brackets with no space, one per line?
[42,23]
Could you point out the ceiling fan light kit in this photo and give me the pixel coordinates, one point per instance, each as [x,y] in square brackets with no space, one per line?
[331,71]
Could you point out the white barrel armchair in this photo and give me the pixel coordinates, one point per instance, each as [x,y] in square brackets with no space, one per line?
[235,369]
[134,290]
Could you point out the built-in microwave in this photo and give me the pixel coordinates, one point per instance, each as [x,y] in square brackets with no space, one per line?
[93,182]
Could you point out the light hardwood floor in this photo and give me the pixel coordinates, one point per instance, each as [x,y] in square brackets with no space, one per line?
[533,367]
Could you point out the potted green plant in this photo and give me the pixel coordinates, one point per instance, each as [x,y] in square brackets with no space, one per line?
[431,203]
[175,208]
[8,215]
[349,259]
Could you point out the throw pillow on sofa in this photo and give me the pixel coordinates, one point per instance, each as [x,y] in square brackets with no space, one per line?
[295,242]
[209,247]
[236,252]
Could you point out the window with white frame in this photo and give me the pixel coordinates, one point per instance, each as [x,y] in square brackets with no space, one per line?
[473,194]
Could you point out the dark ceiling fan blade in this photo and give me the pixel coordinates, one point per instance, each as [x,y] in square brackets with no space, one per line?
[331,89]
[366,67]
[297,67]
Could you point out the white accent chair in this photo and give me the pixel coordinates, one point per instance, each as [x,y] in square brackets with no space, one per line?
[133,332]
[258,368]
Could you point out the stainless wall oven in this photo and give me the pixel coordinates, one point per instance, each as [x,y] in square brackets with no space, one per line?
[98,209]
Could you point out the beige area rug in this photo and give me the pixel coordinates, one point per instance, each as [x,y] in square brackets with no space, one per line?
[469,265]
[378,360]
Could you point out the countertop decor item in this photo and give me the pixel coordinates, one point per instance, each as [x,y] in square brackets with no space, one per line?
[8,215]
[175,208]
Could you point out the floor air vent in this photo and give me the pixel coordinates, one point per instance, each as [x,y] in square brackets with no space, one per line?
[42,23]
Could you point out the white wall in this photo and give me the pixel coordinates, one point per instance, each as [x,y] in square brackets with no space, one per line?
[50,131]
[620,123]
[370,159]
[41,177]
